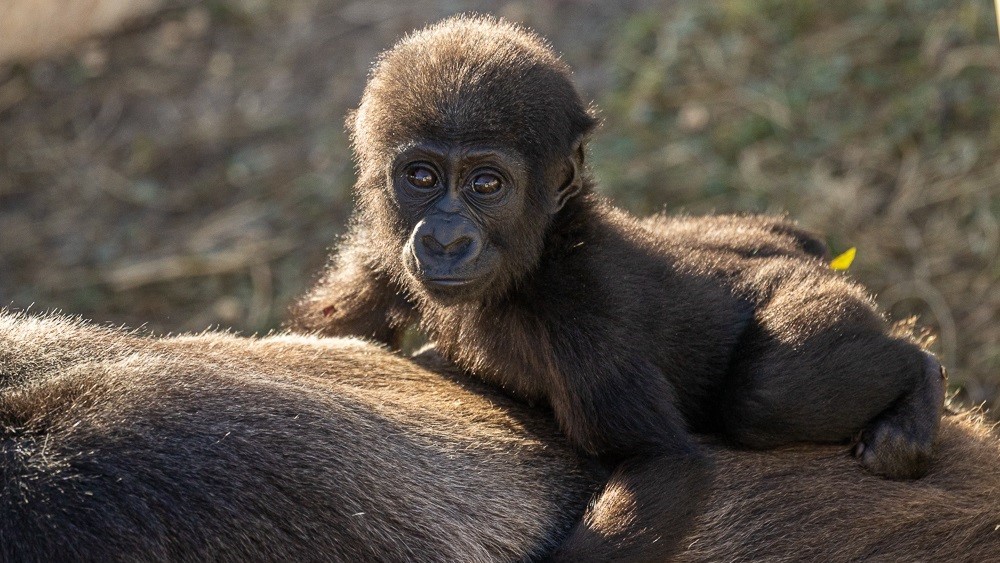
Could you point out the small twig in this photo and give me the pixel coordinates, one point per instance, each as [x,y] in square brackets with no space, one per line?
[186,266]
[226,223]
[176,267]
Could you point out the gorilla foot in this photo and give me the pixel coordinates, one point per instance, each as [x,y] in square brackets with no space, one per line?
[898,444]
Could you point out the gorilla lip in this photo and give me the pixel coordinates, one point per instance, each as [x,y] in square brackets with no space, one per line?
[449,282]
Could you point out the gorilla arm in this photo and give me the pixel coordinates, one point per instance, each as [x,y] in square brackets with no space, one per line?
[352,298]
[626,415]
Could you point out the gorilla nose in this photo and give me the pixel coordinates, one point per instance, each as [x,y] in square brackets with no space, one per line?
[456,247]
[445,246]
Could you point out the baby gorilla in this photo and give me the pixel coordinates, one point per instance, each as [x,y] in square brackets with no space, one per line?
[477,216]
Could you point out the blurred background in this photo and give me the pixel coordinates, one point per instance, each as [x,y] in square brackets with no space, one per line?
[187,166]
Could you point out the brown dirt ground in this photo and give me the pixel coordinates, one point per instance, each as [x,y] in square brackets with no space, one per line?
[192,169]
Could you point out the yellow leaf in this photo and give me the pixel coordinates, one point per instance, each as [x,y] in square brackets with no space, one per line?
[843,261]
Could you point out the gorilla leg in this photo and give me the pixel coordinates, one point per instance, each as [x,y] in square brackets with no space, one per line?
[819,364]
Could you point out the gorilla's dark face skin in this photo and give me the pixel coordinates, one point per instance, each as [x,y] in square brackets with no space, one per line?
[468,208]
[477,219]
[452,197]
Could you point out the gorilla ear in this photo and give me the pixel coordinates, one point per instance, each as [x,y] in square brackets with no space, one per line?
[572,182]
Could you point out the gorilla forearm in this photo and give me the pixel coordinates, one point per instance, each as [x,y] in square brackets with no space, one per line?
[352,299]
[662,475]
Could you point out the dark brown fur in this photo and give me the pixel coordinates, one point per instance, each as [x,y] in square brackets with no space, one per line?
[636,332]
[118,447]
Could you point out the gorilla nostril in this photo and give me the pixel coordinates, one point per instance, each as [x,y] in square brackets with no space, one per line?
[458,245]
[432,244]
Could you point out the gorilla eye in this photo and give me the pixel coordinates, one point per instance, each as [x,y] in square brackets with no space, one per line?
[421,177]
[486,184]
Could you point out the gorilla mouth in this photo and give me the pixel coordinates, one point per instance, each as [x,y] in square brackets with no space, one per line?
[451,288]
[449,281]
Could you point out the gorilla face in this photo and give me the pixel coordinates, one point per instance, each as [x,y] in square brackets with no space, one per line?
[468,212]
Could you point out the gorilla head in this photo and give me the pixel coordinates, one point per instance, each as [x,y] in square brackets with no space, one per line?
[468,139]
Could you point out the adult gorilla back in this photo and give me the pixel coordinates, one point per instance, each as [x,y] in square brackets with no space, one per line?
[114,446]
[282,448]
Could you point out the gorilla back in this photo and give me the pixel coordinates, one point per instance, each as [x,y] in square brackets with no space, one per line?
[116,447]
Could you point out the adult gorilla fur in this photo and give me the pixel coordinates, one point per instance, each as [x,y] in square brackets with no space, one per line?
[119,447]
[282,448]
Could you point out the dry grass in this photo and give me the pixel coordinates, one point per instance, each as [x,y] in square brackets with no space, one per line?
[192,169]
